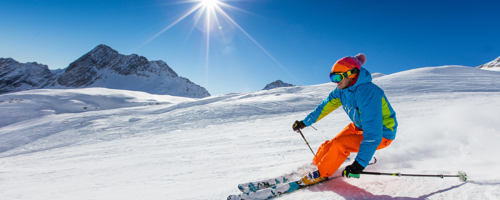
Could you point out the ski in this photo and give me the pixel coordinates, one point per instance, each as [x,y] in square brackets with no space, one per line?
[263,184]
[258,185]
[268,193]
[273,191]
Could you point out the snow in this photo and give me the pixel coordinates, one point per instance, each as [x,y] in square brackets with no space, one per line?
[154,84]
[57,71]
[492,69]
[137,145]
[377,75]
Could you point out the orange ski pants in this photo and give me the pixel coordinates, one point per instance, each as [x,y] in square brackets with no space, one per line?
[332,153]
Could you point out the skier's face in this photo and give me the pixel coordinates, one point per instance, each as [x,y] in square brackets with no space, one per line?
[344,83]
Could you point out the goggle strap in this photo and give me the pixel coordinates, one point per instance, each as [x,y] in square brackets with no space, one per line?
[354,70]
[351,72]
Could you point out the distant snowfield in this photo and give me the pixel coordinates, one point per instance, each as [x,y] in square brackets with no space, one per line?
[492,69]
[141,146]
[25,105]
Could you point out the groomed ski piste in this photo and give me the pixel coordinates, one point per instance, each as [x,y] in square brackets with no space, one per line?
[134,145]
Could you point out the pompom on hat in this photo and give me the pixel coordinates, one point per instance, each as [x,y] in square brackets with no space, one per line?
[347,63]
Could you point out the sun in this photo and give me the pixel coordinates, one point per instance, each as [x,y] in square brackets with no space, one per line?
[213,12]
[209,3]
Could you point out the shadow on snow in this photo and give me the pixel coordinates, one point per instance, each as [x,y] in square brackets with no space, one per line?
[349,191]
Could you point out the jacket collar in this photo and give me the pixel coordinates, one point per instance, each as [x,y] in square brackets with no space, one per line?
[364,77]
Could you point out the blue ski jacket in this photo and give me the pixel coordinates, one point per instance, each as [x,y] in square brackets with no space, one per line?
[367,106]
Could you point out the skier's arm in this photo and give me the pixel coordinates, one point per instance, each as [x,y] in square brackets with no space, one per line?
[328,105]
[370,107]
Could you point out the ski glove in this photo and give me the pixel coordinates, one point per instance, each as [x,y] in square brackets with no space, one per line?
[353,170]
[298,125]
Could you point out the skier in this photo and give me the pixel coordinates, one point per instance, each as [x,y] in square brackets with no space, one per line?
[373,124]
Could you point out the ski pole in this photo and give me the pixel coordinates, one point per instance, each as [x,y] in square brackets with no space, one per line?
[306,142]
[461,175]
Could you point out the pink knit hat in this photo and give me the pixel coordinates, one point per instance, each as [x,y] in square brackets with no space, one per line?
[347,63]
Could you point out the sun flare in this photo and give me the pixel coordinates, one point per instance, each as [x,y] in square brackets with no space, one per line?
[210,3]
[214,19]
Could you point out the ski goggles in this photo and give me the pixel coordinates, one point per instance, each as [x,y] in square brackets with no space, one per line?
[337,77]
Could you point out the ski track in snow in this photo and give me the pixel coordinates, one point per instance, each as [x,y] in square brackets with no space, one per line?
[135,146]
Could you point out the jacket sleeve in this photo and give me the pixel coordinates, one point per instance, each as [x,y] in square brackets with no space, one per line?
[370,109]
[328,105]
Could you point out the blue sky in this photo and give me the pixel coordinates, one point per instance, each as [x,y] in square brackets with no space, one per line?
[296,41]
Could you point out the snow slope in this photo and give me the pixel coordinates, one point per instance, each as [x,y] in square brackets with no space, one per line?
[26,105]
[203,148]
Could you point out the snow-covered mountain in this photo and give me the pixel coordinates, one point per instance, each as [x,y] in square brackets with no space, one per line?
[135,147]
[491,65]
[15,76]
[101,67]
[277,84]
[377,75]
[105,67]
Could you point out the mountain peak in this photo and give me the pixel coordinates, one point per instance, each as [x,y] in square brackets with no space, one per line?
[377,75]
[277,84]
[102,50]
[4,60]
[15,76]
[105,67]
[103,47]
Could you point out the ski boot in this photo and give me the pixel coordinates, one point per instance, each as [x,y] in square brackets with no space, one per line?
[311,178]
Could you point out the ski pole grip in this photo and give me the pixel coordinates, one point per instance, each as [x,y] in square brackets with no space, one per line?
[344,174]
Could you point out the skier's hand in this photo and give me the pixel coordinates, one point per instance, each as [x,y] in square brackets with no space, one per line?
[353,170]
[298,125]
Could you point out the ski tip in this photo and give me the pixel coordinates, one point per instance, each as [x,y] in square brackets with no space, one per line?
[241,188]
[462,176]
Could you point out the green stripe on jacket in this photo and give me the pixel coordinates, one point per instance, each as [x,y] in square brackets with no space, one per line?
[329,107]
[388,121]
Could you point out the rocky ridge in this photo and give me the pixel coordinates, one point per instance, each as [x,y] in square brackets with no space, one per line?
[493,64]
[277,84]
[101,67]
